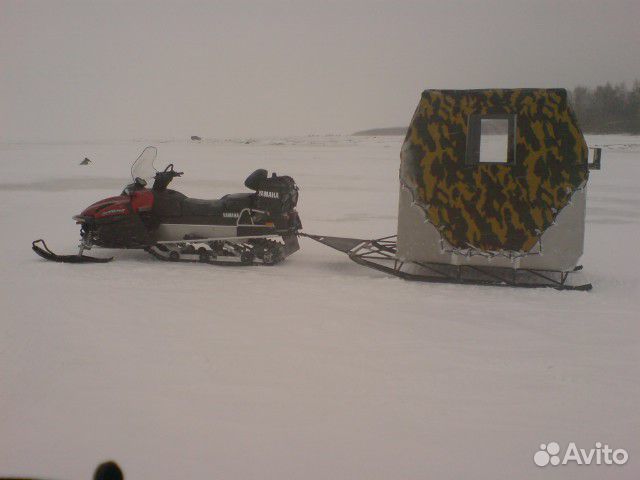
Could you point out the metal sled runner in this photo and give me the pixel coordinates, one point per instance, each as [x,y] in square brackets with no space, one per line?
[380,254]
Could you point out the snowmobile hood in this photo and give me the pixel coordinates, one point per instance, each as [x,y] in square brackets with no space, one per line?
[111,206]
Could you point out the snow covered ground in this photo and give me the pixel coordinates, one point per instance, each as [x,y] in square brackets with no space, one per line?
[317,368]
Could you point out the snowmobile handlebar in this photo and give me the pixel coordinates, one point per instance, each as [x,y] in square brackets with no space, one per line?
[169,169]
[163,179]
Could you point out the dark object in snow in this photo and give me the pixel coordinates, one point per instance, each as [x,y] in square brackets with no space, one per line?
[196,138]
[86,161]
[108,471]
[258,227]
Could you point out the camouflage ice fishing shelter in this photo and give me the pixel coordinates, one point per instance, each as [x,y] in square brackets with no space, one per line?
[493,178]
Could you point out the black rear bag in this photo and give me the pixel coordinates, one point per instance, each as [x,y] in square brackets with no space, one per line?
[277,194]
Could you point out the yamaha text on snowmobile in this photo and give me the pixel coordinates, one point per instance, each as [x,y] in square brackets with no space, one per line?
[260,227]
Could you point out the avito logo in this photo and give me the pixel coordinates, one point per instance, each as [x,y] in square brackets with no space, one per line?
[600,455]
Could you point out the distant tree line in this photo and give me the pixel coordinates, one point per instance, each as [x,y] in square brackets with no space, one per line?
[603,109]
[608,108]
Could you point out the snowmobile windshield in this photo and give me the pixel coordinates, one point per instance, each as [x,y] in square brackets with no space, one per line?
[143,166]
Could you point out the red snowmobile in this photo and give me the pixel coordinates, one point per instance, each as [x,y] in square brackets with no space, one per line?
[258,227]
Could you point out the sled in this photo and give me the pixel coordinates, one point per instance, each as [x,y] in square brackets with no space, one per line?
[381,254]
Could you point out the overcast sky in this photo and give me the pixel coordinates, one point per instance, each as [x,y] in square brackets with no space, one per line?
[119,70]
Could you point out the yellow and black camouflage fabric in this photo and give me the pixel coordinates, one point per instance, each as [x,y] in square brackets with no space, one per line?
[494,207]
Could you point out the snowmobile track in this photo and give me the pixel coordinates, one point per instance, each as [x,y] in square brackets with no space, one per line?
[245,259]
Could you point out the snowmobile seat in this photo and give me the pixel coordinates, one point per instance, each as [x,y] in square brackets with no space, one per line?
[197,207]
[167,203]
[238,201]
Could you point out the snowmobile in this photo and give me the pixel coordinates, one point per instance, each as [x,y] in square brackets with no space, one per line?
[258,227]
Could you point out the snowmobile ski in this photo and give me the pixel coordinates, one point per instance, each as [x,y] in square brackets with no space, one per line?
[47,254]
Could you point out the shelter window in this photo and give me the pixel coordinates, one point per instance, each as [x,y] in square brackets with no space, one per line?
[491,139]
